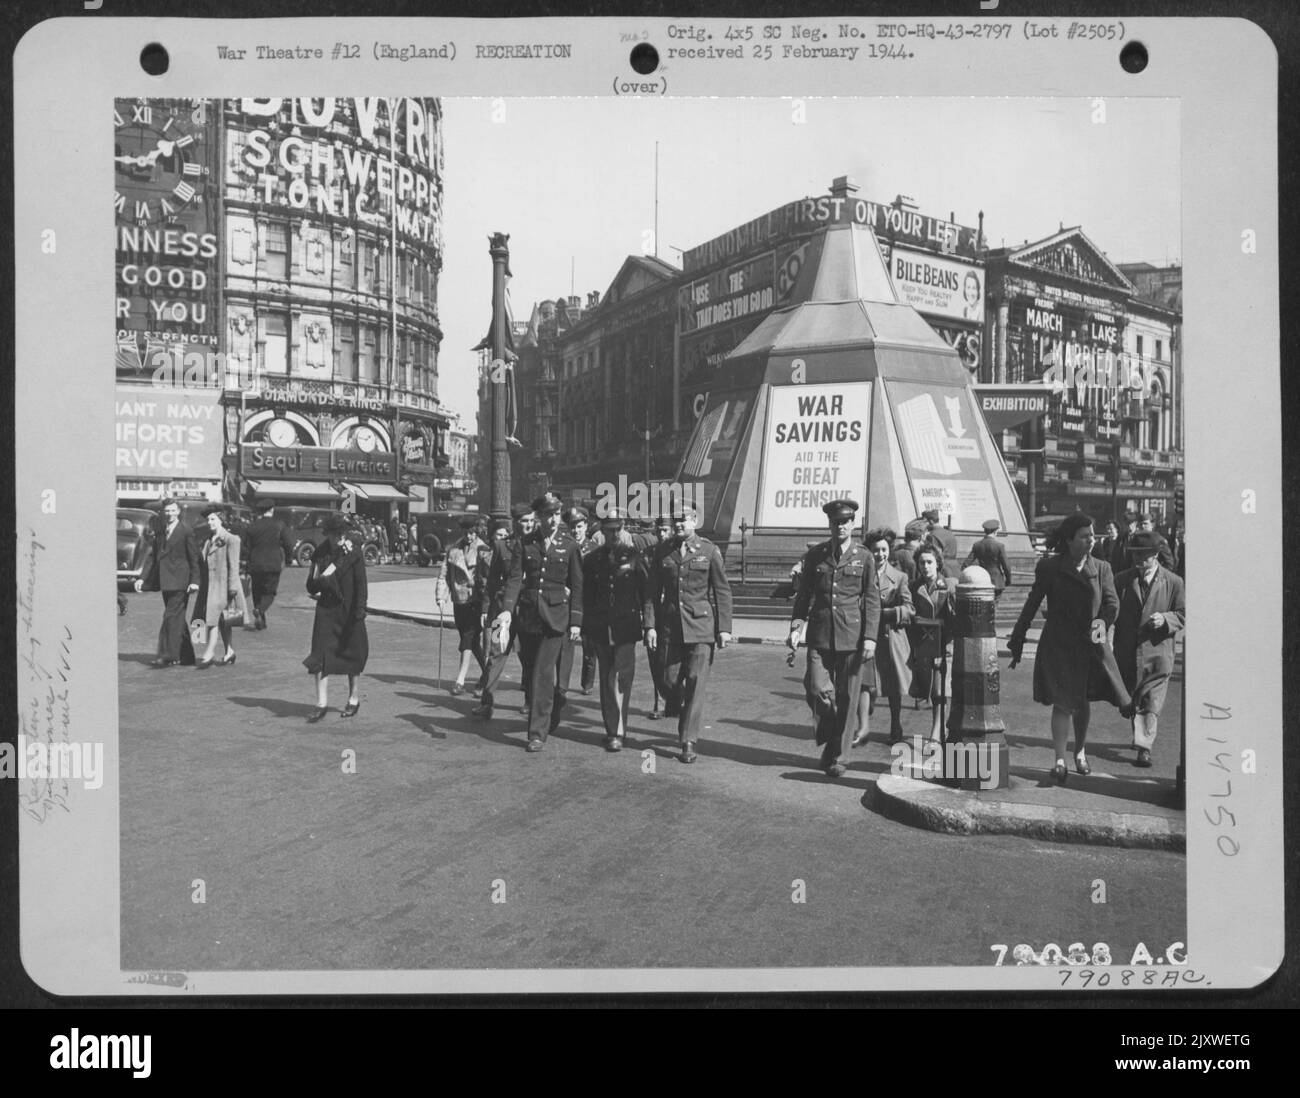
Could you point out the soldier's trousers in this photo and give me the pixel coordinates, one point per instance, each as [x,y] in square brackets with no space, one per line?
[497,664]
[616,665]
[686,674]
[656,658]
[831,684]
[540,653]
[588,663]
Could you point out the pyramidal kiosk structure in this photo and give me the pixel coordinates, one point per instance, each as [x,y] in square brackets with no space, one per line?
[846,392]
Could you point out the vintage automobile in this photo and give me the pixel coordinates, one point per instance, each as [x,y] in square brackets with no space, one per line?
[133,525]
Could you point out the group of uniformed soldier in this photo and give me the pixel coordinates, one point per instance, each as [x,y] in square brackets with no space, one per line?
[553,594]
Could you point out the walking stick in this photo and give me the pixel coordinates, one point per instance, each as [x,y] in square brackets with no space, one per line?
[437,594]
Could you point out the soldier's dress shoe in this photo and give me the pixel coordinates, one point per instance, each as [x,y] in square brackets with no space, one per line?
[481,711]
[533,747]
[1143,757]
[688,753]
[836,770]
[611,744]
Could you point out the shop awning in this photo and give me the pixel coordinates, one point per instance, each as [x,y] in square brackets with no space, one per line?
[308,489]
[380,492]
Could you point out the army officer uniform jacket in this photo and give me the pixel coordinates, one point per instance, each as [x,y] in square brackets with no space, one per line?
[545,584]
[688,596]
[839,599]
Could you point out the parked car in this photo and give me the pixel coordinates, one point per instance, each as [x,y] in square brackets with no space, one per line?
[133,524]
[439,529]
[304,526]
[238,515]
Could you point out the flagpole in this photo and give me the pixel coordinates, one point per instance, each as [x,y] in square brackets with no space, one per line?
[499,249]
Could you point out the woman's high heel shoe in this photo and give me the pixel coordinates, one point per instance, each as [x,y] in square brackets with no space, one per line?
[317,715]
[1081,763]
[350,710]
[202,665]
[229,660]
[1059,773]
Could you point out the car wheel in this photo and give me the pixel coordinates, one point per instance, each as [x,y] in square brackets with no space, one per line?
[303,553]
[430,547]
[371,554]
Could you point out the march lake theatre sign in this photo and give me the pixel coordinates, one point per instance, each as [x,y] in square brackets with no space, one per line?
[318,463]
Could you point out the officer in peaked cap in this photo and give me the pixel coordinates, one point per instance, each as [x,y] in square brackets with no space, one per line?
[989,555]
[687,612]
[577,521]
[613,604]
[545,586]
[493,602]
[838,604]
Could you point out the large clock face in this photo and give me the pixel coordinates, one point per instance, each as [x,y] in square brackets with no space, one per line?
[157,154]
[280,432]
[365,439]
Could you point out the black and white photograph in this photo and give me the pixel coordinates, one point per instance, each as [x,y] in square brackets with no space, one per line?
[712,526]
[729,552]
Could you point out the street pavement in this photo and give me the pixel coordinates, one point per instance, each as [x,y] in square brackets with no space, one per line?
[450,847]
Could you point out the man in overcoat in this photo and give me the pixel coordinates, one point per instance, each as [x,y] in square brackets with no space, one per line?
[989,555]
[613,601]
[267,547]
[171,565]
[838,601]
[687,612]
[1152,612]
[545,585]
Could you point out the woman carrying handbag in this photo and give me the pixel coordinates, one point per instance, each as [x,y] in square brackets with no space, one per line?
[220,604]
[339,645]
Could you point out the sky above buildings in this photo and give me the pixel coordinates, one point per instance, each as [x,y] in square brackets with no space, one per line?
[572,181]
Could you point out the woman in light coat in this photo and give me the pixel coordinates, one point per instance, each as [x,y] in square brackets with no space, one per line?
[220,599]
[893,677]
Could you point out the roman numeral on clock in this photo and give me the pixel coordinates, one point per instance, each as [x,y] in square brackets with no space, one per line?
[142,113]
[142,211]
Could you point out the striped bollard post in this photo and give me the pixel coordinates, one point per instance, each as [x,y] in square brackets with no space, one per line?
[978,757]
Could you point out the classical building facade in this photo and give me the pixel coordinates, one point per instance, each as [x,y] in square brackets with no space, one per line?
[1063,316]
[319,231]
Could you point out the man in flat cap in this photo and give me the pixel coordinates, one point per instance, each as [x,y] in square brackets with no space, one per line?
[943,539]
[688,613]
[546,585]
[838,600]
[1146,525]
[493,602]
[613,601]
[989,555]
[468,559]
[578,522]
[1152,612]
[267,548]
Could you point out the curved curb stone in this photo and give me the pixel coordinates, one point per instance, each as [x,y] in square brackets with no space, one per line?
[923,804]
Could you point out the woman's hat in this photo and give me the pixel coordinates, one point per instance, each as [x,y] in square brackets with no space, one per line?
[334,525]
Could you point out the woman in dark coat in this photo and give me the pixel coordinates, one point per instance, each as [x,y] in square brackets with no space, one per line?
[339,645]
[933,599]
[1074,665]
